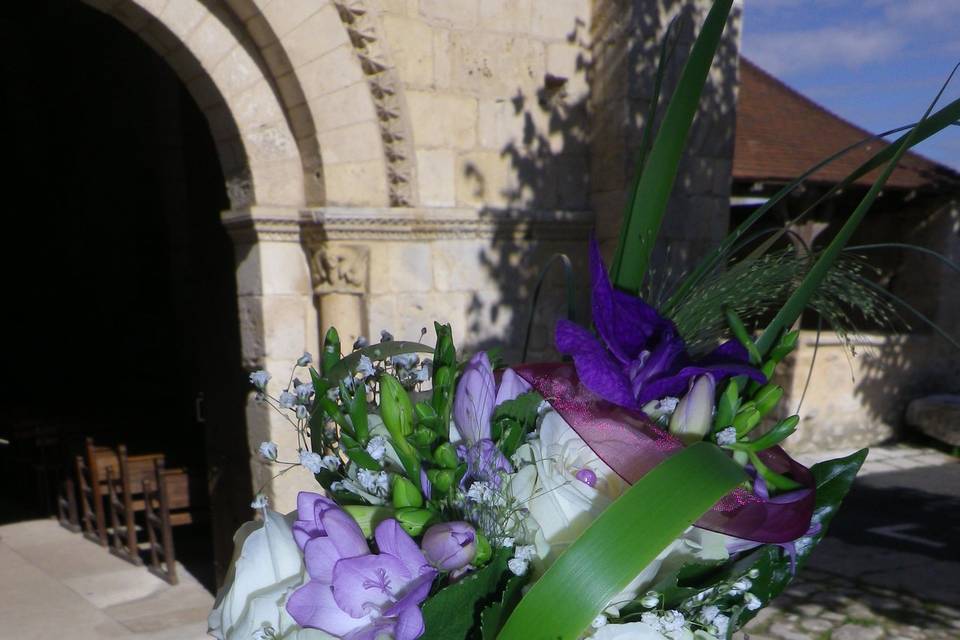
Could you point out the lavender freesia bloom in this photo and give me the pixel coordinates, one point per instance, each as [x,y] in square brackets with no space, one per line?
[450,545]
[640,356]
[351,592]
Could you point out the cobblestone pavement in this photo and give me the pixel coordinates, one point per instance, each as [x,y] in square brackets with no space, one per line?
[889,568]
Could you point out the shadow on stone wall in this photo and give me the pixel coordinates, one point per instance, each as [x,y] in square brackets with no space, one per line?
[575,158]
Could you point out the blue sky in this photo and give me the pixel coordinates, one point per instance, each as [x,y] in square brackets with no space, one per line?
[876,63]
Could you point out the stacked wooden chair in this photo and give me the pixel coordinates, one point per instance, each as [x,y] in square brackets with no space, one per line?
[125,491]
[92,488]
[166,496]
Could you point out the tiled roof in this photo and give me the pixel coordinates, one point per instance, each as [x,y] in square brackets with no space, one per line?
[780,134]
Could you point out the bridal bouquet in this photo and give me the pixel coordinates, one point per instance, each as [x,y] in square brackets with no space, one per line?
[636,489]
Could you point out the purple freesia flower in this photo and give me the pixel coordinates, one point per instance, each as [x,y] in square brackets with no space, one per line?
[476,398]
[450,545]
[640,356]
[353,593]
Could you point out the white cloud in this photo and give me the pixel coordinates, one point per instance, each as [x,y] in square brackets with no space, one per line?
[852,47]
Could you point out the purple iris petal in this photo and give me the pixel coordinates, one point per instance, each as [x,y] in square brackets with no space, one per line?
[511,386]
[485,462]
[640,355]
[600,372]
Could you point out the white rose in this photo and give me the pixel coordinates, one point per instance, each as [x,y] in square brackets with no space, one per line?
[267,564]
[562,506]
[641,631]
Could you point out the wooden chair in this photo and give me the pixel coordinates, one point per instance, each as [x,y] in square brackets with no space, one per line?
[125,484]
[92,482]
[166,497]
[67,505]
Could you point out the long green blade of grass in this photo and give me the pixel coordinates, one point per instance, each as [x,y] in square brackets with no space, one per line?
[642,224]
[626,537]
[795,305]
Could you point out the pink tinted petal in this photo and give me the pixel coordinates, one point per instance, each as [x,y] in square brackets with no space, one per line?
[598,371]
[370,580]
[409,624]
[416,592]
[320,554]
[345,533]
[474,399]
[392,539]
[312,605]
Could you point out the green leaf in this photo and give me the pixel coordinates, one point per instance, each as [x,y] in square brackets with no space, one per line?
[833,479]
[494,616]
[513,419]
[358,416]
[642,222]
[331,351]
[452,612]
[357,454]
[626,537]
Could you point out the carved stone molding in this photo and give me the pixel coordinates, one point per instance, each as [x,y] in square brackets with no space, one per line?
[262,224]
[339,268]
[363,27]
[345,223]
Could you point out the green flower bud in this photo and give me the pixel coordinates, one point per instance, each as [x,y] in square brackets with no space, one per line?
[444,355]
[484,552]
[446,456]
[414,520]
[767,398]
[405,493]
[331,350]
[441,480]
[395,407]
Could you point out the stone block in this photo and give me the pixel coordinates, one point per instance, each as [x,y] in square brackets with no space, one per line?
[183,17]
[496,65]
[506,15]
[442,66]
[334,70]
[283,268]
[381,309]
[211,41]
[356,183]
[285,16]
[255,107]
[500,124]
[400,267]
[443,120]
[937,416]
[461,14]
[349,105]
[559,19]
[566,60]
[321,32]
[284,325]
[435,177]
[279,183]
[485,178]
[236,73]
[411,46]
[354,143]
[463,265]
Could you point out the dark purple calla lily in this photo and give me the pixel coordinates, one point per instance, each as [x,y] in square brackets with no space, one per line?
[639,355]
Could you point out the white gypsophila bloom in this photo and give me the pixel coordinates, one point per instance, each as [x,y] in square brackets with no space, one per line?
[305,360]
[422,374]
[662,408]
[260,501]
[268,451]
[506,542]
[708,613]
[365,368]
[259,379]
[721,623]
[739,586]
[302,412]
[751,601]
[377,447]
[672,621]
[312,461]
[727,436]
[304,391]
[337,486]
[599,621]
[525,552]
[480,492]
[265,632]
[385,336]
[375,482]
[652,620]
[753,574]
[287,400]
[330,462]
[360,343]
[383,483]
[333,394]
[650,600]
[517,566]
[405,360]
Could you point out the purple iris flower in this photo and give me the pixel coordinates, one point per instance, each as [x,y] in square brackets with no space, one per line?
[639,355]
[353,593]
[476,398]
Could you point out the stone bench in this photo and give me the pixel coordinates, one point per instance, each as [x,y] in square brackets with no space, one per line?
[937,416]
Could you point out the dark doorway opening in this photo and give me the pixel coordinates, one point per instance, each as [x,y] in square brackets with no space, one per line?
[121,310]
